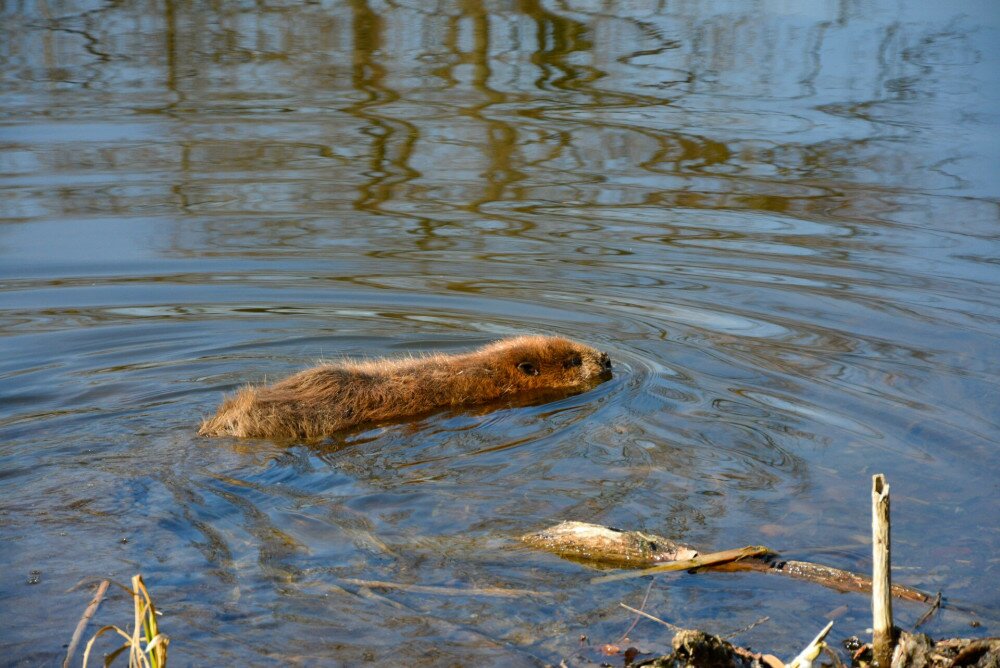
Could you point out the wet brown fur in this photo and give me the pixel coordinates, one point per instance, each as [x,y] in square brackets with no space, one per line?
[334,397]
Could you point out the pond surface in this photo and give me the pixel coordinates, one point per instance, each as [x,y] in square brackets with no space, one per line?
[779,218]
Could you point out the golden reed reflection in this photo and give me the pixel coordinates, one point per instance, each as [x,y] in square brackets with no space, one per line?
[501,136]
[429,114]
[392,139]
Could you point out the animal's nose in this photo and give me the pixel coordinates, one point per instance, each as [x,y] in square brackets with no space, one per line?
[605,362]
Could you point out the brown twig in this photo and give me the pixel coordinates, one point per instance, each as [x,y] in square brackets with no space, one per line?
[935,605]
[670,626]
[642,606]
[837,663]
[82,624]
[746,628]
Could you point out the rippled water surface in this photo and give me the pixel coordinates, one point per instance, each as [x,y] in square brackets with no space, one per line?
[779,218]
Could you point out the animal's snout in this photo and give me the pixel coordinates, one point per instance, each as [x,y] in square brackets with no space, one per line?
[605,362]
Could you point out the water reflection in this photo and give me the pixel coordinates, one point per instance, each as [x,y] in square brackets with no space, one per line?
[780,220]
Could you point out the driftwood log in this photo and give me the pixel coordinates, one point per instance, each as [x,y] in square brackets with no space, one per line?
[606,546]
[593,543]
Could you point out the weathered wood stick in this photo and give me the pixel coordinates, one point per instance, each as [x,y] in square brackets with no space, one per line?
[883,640]
[82,624]
[833,578]
[596,544]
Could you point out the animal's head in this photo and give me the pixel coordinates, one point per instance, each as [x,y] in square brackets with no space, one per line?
[549,362]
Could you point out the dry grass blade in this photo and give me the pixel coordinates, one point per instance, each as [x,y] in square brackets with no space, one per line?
[145,631]
[110,658]
[158,639]
[101,631]
[138,658]
[156,644]
[649,616]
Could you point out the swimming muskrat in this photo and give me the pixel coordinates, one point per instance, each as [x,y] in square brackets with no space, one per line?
[334,397]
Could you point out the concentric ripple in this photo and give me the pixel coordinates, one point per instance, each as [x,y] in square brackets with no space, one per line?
[781,225]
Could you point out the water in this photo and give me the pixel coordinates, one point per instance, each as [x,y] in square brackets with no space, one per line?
[780,219]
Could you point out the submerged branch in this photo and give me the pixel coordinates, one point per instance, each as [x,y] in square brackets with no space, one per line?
[700,561]
[499,592]
[603,546]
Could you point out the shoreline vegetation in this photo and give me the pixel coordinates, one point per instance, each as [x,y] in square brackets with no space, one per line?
[145,644]
[640,554]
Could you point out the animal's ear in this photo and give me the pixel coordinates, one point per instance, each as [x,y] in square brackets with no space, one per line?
[528,368]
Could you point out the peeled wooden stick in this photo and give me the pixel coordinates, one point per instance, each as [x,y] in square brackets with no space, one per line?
[82,624]
[882,640]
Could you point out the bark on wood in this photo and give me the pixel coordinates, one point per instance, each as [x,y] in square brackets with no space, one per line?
[916,650]
[604,545]
[833,578]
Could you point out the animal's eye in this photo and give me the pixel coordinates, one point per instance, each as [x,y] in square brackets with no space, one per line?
[576,360]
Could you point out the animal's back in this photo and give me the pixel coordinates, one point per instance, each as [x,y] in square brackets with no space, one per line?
[330,398]
[308,404]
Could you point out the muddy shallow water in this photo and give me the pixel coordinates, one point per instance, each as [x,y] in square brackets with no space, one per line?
[780,220]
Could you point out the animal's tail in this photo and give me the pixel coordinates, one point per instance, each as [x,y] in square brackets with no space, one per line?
[233,416]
